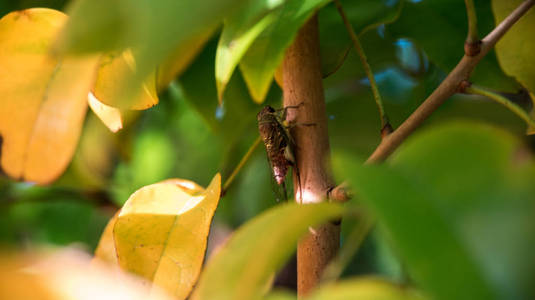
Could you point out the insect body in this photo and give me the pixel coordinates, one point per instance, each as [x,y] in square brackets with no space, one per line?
[278,142]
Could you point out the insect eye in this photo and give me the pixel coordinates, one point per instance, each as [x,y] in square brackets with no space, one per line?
[270,109]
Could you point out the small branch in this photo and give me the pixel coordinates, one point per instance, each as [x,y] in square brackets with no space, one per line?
[472,44]
[447,88]
[517,110]
[240,165]
[385,125]
[340,193]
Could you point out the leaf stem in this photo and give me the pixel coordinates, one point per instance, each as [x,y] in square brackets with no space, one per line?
[240,165]
[517,110]
[367,69]
[471,46]
[448,87]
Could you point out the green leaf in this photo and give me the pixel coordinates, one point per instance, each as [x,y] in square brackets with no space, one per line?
[364,15]
[443,35]
[515,50]
[232,119]
[457,202]
[238,34]
[365,288]
[153,30]
[259,63]
[242,268]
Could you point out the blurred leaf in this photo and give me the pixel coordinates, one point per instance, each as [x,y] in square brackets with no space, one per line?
[515,50]
[363,15]
[531,130]
[106,251]
[161,234]
[32,215]
[110,116]
[114,68]
[459,209]
[45,99]
[153,158]
[179,59]
[238,34]
[445,18]
[67,275]
[242,268]
[95,157]
[153,30]
[280,295]
[366,288]
[259,63]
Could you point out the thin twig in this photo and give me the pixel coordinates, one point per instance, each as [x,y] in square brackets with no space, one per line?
[447,88]
[385,125]
[517,110]
[240,165]
[471,46]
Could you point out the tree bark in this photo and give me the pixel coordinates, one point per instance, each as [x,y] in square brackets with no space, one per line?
[302,87]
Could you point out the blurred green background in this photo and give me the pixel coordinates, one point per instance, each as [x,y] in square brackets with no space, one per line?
[188,135]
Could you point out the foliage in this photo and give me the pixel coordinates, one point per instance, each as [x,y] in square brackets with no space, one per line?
[174,88]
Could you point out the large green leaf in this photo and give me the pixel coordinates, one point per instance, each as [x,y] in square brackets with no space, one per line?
[267,51]
[242,268]
[154,30]
[445,18]
[457,201]
[238,34]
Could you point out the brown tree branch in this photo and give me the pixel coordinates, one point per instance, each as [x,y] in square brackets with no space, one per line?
[447,88]
[303,87]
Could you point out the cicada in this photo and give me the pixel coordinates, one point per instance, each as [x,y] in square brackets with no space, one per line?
[279,144]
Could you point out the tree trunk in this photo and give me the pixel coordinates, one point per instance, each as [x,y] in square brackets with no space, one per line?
[302,86]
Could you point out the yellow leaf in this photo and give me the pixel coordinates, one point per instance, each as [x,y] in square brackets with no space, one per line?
[106,246]
[44,99]
[110,116]
[161,234]
[115,68]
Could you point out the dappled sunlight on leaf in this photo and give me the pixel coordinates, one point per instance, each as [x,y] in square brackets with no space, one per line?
[110,116]
[44,99]
[161,233]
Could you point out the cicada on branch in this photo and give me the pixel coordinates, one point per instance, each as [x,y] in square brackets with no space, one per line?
[275,134]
